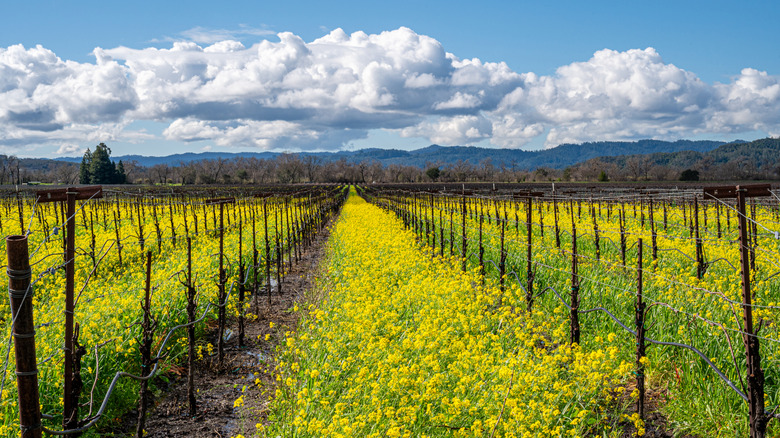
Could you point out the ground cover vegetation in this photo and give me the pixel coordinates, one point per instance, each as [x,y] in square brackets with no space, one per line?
[447,313]
[261,235]
[409,345]
[417,340]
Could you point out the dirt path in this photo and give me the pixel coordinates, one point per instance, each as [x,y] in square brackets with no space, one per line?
[218,388]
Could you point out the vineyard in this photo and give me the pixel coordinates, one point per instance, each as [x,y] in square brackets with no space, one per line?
[147,269]
[438,311]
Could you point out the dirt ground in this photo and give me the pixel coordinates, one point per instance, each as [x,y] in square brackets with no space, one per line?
[219,387]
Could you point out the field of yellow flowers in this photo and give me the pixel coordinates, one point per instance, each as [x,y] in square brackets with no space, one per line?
[704,313]
[407,345]
[109,291]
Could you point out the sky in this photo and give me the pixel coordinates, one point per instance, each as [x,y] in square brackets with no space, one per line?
[161,77]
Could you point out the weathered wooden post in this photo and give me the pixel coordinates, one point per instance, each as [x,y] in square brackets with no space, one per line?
[21,296]
[758,419]
[639,319]
[69,196]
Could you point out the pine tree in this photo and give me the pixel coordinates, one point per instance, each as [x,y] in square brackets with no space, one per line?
[102,169]
[85,170]
[120,173]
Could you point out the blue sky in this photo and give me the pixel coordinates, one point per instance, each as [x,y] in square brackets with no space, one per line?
[548,72]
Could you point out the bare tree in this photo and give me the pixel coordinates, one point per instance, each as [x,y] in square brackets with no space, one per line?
[311,164]
[289,168]
[161,173]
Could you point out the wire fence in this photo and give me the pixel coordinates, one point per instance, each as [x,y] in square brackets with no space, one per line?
[489,230]
[109,261]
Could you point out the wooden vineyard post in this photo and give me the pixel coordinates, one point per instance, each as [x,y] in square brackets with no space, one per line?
[441,233]
[463,231]
[190,331]
[640,337]
[69,196]
[717,215]
[20,203]
[665,216]
[452,233]
[699,249]
[557,229]
[289,234]
[481,250]
[622,214]
[21,297]
[654,238]
[140,226]
[118,238]
[432,224]
[502,259]
[147,333]
[596,233]
[758,419]
[278,244]
[242,279]
[529,273]
[574,337]
[255,287]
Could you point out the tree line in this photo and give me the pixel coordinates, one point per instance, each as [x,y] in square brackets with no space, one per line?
[757,160]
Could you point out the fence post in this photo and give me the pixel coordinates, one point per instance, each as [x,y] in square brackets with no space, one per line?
[758,419]
[502,259]
[481,250]
[21,296]
[640,337]
[222,293]
[441,233]
[463,247]
[529,274]
[699,249]
[557,230]
[147,332]
[242,279]
[654,237]
[755,375]
[70,415]
[574,337]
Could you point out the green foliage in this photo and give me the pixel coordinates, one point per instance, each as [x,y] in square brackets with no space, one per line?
[689,175]
[97,168]
[433,173]
[101,169]
[603,176]
[120,170]
[85,174]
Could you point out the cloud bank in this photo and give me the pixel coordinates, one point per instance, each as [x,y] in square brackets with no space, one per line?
[322,94]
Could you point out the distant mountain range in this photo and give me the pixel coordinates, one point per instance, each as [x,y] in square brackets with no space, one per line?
[557,158]
[737,160]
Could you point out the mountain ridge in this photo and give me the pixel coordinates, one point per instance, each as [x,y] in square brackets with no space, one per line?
[558,157]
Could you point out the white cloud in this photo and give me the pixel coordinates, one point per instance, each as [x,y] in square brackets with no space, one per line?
[451,130]
[322,94]
[209,36]
[69,149]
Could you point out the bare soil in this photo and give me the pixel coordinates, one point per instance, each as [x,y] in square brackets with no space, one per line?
[656,424]
[217,386]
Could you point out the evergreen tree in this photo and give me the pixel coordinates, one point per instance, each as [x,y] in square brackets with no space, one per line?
[85,170]
[120,173]
[102,169]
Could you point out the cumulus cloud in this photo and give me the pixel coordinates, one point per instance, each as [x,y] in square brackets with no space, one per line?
[293,94]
